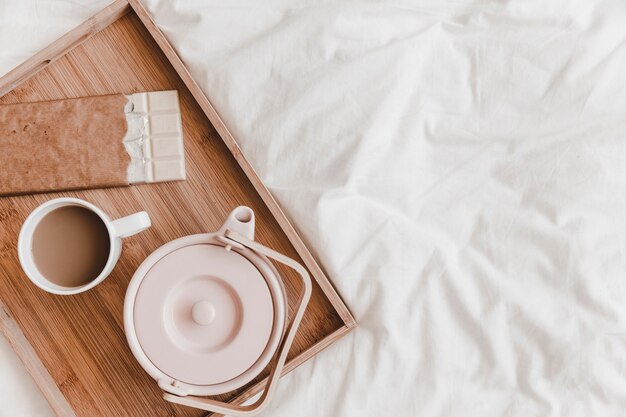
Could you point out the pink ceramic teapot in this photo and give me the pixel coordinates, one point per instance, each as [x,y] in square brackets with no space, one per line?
[205,314]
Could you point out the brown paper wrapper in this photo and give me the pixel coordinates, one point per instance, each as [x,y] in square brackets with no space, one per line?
[63,145]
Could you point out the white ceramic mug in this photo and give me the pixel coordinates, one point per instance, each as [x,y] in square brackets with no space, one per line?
[118,229]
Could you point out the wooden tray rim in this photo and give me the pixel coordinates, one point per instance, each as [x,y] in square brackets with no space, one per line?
[62,46]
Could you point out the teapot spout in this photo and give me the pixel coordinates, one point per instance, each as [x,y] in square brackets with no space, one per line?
[240,220]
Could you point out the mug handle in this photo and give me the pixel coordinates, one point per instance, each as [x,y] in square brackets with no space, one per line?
[283,348]
[131,225]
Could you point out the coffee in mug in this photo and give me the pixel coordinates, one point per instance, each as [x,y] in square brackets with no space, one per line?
[68,245]
[71,246]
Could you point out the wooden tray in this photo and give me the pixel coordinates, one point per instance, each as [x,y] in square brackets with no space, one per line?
[75,347]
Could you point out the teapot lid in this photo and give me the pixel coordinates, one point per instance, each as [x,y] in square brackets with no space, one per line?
[203,314]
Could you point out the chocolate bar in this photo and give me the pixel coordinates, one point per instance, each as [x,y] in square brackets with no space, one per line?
[91,142]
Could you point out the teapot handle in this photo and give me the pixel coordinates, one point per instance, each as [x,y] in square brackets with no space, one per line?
[283,348]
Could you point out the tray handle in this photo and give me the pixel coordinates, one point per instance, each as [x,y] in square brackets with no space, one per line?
[283,348]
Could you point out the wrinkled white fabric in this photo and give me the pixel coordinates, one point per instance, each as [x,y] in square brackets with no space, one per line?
[19,396]
[459,169]
[27,26]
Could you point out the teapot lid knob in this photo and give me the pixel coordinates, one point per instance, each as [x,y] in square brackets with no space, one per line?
[203,313]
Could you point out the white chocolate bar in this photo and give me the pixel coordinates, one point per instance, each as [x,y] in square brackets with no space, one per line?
[154,139]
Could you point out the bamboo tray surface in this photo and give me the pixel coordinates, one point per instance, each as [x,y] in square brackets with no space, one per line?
[75,346]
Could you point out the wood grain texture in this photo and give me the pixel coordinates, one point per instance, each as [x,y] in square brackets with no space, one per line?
[80,339]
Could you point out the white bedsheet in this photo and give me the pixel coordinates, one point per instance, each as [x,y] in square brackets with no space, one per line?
[459,168]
